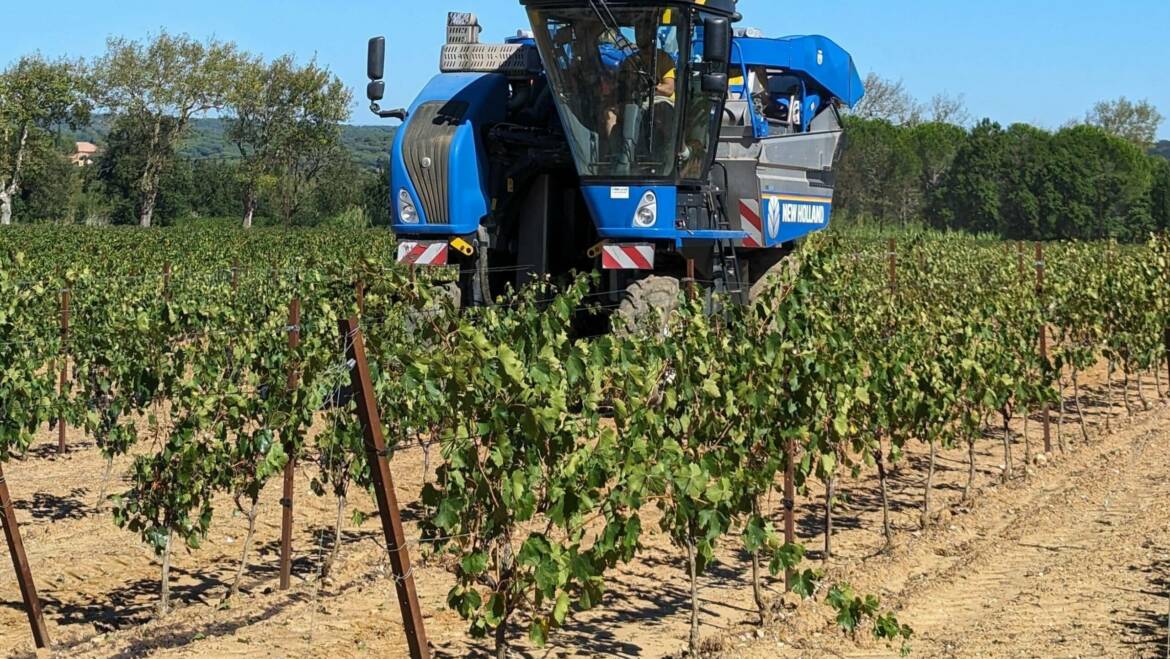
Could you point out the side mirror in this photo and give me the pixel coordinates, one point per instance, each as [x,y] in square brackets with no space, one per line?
[376,90]
[716,40]
[376,59]
[715,83]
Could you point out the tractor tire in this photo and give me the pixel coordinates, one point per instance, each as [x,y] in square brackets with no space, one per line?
[766,268]
[647,307]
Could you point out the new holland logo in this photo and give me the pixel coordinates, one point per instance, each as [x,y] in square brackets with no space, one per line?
[803,214]
[774,218]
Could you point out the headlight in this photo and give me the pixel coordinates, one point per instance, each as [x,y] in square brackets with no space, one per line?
[406,210]
[647,214]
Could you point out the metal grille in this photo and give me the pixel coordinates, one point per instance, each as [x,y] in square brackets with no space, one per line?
[427,152]
[513,60]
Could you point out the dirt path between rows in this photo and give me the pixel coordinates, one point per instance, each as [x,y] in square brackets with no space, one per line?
[1072,561]
[1075,562]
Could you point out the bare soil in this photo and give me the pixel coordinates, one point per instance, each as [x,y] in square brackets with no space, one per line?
[1071,559]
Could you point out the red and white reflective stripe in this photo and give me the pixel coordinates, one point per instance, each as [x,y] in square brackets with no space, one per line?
[750,223]
[627,257]
[422,253]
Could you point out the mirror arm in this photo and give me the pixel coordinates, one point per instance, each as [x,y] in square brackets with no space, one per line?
[399,113]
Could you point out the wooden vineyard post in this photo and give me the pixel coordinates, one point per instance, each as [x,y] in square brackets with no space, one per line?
[28,590]
[375,443]
[360,291]
[286,500]
[235,275]
[789,507]
[1045,408]
[63,383]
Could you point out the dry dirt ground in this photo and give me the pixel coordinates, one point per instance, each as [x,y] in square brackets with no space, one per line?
[1073,560]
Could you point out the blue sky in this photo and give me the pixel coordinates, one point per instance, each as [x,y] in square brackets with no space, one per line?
[1042,62]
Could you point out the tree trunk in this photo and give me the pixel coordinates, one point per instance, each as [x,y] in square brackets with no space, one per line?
[249,208]
[501,637]
[327,568]
[504,561]
[1027,445]
[8,194]
[693,572]
[101,498]
[925,521]
[5,208]
[1080,408]
[1007,449]
[146,215]
[1060,421]
[758,590]
[969,490]
[164,600]
[235,589]
[829,492]
[1125,390]
[880,458]
[1109,398]
[757,587]
[789,508]
[1141,388]
[148,185]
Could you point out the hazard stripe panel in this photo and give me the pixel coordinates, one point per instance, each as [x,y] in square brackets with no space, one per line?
[422,253]
[627,257]
[750,223]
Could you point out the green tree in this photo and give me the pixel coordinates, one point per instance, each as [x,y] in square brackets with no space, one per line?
[286,126]
[165,83]
[877,173]
[1160,195]
[1027,193]
[49,181]
[215,188]
[35,94]
[1101,185]
[969,198]
[120,166]
[1137,122]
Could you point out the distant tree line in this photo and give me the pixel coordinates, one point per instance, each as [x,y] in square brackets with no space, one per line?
[281,157]
[911,164]
[286,163]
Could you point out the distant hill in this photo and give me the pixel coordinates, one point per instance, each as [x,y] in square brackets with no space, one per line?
[207,140]
[1163,149]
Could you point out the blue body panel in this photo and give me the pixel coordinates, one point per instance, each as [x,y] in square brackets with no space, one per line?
[613,208]
[820,58]
[486,95]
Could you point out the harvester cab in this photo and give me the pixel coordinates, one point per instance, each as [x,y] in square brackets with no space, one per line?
[625,136]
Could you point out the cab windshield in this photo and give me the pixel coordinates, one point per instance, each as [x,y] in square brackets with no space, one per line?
[617,82]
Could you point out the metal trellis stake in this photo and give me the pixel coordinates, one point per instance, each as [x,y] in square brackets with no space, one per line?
[28,590]
[290,468]
[375,443]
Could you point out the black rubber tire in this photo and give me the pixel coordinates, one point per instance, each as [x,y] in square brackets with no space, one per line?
[765,267]
[647,306]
